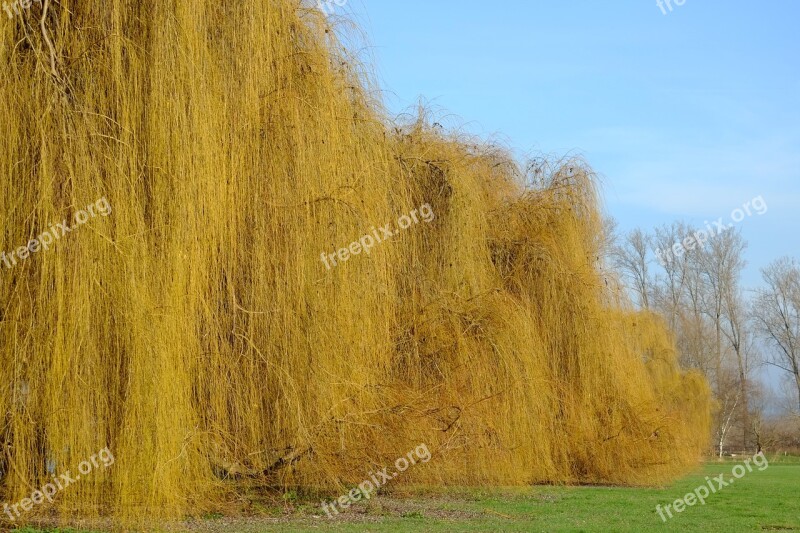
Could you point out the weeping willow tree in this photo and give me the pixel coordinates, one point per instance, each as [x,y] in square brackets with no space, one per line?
[195,332]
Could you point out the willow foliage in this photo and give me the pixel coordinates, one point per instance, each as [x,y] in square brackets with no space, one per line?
[196,333]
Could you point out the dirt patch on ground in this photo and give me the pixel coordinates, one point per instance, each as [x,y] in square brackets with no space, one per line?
[252,514]
[373,511]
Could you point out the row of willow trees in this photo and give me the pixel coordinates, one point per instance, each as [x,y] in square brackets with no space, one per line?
[727,331]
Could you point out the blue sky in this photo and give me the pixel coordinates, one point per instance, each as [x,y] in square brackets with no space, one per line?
[685,116]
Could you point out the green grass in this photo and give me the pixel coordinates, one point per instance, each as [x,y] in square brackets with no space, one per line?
[766,500]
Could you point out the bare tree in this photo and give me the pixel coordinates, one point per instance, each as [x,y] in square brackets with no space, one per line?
[670,290]
[631,259]
[721,263]
[758,426]
[777,314]
[728,395]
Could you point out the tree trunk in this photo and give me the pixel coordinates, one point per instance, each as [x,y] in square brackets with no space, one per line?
[745,404]
[797,379]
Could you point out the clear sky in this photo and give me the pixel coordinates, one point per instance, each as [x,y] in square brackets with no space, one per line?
[687,115]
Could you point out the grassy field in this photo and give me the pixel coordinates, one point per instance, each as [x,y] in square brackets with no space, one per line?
[767,500]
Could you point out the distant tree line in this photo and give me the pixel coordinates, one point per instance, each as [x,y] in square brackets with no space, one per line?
[721,329]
